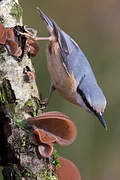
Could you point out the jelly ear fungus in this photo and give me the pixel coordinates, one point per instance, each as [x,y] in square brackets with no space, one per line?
[16,43]
[67,170]
[3,34]
[52,127]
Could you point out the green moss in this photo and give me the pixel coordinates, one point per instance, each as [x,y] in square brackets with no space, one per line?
[16,11]
[31,103]
[43,175]
[21,123]
[23,142]
[32,106]
[27,173]
[2,97]
[55,160]
[20,140]
[47,175]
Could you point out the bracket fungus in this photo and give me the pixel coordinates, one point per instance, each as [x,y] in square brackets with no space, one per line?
[67,170]
[7,38]
[3,34]
[52,127]
[46,150]
[11,43]
[13,49]
[16,43]
[32,47]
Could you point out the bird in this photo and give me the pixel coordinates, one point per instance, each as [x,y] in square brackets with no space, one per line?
[70,72]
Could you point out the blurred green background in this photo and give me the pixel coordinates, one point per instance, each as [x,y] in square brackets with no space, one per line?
[95,26]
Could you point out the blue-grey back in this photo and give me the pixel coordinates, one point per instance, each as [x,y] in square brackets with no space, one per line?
[77,63]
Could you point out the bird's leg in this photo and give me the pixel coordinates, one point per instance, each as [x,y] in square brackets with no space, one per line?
[33,36]
[30,31]
[50,38]
[51,90]
[46,101]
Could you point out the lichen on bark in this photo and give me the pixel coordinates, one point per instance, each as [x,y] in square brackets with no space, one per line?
[19,100]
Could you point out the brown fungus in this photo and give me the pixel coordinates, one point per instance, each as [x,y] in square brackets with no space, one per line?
[67,170]
[16,43]
[11,43]
[46,150]
[10,34]
[44,141]
[56,124]
[44,137]
[3,34]
[7,38]
[12,48]
[52,127]
[32,47]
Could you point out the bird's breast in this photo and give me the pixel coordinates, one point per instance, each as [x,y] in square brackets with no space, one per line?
[65,83]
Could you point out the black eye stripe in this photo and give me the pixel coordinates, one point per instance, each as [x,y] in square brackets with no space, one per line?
[85,101]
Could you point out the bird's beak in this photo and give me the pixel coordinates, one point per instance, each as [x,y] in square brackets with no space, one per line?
[101,118]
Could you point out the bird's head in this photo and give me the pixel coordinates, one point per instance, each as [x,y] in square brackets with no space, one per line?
[92,99]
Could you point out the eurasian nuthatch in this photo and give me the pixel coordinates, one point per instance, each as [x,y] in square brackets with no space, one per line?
[70,71]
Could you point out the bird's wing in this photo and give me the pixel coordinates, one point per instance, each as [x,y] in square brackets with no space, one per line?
[73,59]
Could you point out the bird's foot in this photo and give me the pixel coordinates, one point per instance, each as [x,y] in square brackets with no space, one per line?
[44,104]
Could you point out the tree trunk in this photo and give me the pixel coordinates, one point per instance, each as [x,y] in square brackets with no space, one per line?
[19,100]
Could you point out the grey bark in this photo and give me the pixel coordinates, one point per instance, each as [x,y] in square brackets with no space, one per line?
[18,101]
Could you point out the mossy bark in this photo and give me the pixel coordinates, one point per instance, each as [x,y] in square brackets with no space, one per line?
[19,100]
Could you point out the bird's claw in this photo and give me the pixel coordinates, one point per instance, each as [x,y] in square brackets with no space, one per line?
[44,104]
